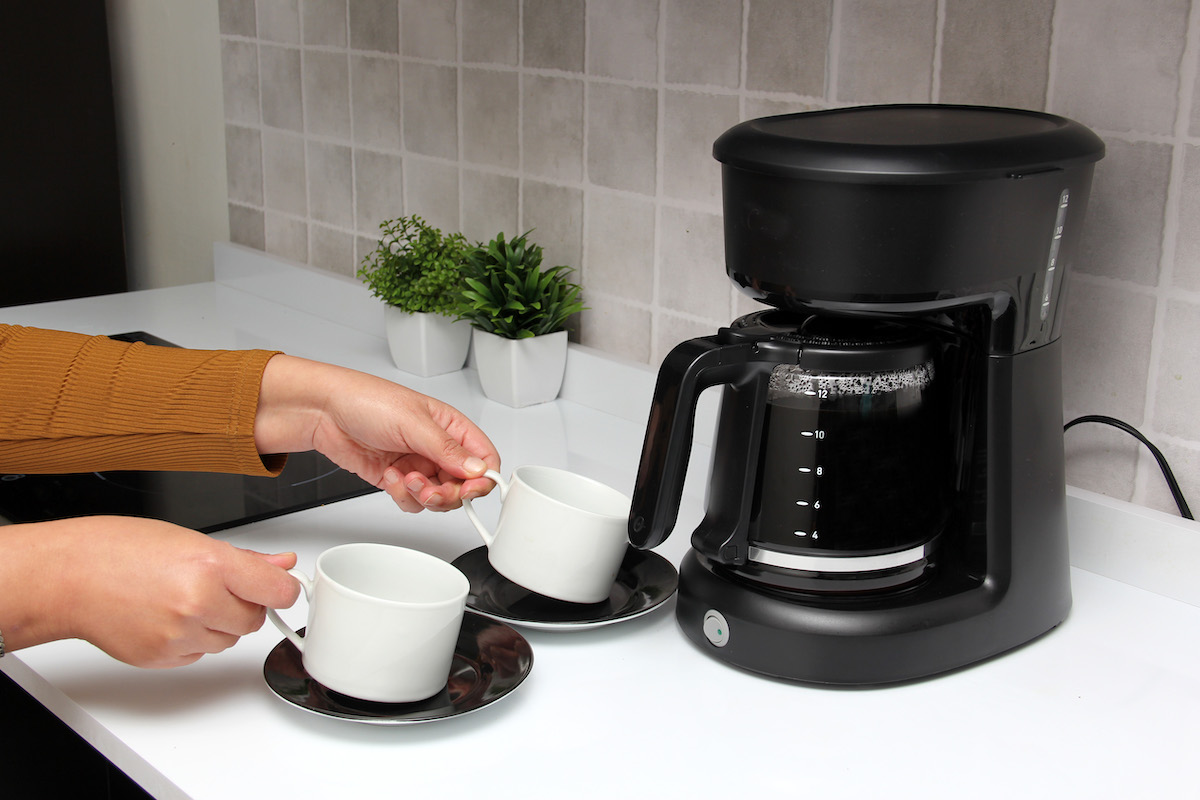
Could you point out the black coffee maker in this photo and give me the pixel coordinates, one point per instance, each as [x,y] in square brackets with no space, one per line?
[887,495]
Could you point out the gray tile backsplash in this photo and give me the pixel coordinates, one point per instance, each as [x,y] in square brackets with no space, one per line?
[555,214]
[620,245]
[324,22]
[886,51]
[996,50]
[1123,230]
[489,204]
[431,190]
[787,46]
[284,174]
[244,170]
[280,87]
[331,249]
[1187,244]
[239,81]
[375,102]
[592,122]
[237,17]
[429,114]
[286,235]
[491,113]
[378,185]
[622,130]
[622,39]
[691,121]
[703,42]
[691,268]
[552,116]
[1119,63]
[374,25]
[491,32]
[327,94]
[330,184]
[1107,374]
[553,34]
[279,21]
[1176,386]
[247,226]
[427,29]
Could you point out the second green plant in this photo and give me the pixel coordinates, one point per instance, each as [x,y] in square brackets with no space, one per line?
[509,294]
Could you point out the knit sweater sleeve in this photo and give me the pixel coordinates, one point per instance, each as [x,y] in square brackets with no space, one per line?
[76,403]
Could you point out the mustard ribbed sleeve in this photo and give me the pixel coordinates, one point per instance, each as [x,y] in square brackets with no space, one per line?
[76,403]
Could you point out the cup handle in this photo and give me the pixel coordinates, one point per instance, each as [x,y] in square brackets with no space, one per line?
[284,628]
[487,536]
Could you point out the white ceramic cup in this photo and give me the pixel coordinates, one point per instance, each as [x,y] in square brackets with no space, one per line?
[559,534]
[382,622]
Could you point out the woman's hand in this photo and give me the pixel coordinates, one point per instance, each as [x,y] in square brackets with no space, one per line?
[148,593]
[421,451]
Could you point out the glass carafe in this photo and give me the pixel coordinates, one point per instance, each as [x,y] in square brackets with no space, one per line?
[852,482]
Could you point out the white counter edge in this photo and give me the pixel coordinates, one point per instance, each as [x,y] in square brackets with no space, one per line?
[94,732]
[1139,546]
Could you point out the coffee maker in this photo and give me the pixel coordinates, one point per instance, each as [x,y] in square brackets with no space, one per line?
[886,496]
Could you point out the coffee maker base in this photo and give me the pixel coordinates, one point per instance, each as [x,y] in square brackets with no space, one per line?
[862,644]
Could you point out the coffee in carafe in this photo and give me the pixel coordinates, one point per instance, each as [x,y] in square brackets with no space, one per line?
[854,479]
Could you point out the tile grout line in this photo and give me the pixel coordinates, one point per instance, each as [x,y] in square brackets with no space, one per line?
[521,121]
[402,150]
[459,110]
[939,31]
[585,178]
[742,113]
[262,145]
[306,167]
[355,223]
[660,105]
[1052,58]
[833,53]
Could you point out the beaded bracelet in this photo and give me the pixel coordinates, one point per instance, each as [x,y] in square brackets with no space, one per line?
[1,644]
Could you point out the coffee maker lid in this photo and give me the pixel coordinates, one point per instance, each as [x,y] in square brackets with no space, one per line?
[908,144]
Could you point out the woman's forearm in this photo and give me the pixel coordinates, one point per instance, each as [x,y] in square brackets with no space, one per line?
[76,403]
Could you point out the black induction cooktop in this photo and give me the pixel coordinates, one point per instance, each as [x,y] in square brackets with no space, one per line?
[204,501]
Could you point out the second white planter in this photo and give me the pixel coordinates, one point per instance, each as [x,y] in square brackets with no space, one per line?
[426,344]
[521,372]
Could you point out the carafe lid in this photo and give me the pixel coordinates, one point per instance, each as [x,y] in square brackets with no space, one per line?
[908,144]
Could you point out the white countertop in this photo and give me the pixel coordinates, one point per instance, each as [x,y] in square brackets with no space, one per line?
[1104,706]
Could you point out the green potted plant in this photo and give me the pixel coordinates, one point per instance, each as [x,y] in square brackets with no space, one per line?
[416,272]
[519,313]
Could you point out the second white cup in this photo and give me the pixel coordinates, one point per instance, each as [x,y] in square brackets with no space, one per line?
[560,534]
[383,621]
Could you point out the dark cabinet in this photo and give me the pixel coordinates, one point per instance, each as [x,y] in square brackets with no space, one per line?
[61,232]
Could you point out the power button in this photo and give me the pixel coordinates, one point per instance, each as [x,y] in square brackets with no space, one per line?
[716,628]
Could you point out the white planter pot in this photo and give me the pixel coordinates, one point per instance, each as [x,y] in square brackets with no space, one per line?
[426,344]
[521,372]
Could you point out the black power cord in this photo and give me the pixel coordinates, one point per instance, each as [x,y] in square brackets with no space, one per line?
[1172,484]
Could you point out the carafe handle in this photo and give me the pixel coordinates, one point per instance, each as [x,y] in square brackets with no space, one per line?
[689,369]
